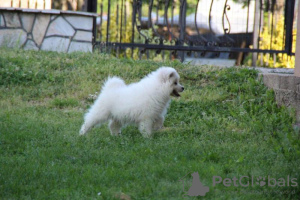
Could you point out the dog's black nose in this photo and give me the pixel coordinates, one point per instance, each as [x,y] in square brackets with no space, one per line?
[182,88]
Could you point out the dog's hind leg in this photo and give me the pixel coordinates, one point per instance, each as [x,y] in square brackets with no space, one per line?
[87,125]
[115,127]
[145,128]
[91,120]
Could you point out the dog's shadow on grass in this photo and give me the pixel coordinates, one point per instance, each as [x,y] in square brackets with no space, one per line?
[100,136]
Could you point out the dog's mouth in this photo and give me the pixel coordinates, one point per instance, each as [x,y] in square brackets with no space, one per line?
[175,94]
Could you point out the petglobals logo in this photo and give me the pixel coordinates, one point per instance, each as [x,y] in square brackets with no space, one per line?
[246,181]
[197,188]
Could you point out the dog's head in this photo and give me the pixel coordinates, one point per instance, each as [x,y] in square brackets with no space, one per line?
[170,77]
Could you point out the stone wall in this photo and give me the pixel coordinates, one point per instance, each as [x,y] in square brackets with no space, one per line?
[49,30]
[286,88]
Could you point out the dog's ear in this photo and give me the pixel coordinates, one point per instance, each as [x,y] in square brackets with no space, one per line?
[166,76]
[171,75]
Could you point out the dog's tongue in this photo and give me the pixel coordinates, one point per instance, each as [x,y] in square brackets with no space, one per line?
[175,93]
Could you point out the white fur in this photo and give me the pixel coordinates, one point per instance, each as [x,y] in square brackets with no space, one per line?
[143,103]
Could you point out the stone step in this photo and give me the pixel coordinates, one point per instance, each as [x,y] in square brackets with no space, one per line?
[210,61]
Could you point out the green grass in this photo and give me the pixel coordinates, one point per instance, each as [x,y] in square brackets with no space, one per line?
[225,124]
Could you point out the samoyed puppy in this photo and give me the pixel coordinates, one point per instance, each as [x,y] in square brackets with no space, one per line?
[144,103]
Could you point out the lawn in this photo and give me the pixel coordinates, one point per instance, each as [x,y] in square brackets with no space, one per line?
[225,125]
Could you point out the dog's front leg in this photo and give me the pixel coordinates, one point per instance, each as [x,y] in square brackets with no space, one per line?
[159,122]
[145,128]
[115,127]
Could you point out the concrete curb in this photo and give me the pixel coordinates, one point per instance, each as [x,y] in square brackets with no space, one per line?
[286,88]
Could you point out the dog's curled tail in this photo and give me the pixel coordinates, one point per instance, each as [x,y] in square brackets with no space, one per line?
[113,82]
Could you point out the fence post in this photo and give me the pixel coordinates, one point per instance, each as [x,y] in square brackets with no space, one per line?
[256,30]
[182,24]
[297,55]
[289,19]
[92,6]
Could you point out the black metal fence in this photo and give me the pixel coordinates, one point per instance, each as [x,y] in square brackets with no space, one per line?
[180,29]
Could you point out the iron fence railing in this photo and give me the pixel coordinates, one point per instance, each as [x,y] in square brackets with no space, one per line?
[203,28]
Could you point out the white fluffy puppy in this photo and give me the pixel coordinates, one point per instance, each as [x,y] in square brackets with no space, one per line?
[143,103]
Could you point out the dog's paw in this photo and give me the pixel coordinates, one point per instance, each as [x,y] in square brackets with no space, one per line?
[82,130]
[157,127]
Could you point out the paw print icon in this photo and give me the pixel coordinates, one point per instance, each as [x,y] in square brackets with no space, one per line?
[261,181]
[197,188]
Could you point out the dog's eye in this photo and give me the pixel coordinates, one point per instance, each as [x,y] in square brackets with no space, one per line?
[175,83]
